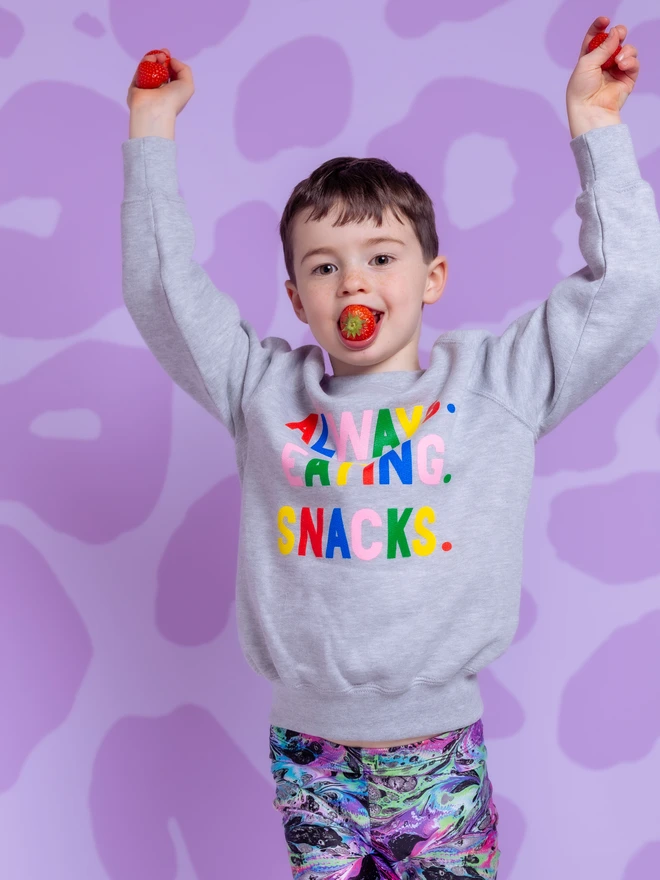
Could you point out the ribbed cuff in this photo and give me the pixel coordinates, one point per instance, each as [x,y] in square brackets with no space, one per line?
[149,164]
[606,154]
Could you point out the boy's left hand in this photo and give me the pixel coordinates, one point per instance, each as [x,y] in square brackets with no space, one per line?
[594,97]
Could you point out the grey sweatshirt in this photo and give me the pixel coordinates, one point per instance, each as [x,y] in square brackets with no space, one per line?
[380,549]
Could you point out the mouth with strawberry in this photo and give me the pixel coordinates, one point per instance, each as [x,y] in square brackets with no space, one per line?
[358,326]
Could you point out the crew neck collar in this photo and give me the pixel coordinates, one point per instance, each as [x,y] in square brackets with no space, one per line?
[384,374]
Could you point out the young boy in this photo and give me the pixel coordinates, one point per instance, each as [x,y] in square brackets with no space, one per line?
[380,550]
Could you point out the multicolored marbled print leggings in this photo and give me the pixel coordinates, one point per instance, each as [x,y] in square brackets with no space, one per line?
[422,811]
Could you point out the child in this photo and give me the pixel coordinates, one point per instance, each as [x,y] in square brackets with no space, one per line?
[380,550]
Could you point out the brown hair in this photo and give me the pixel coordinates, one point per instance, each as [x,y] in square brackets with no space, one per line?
[364,188]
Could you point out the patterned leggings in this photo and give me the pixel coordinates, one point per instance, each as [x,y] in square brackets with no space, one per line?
[422,811]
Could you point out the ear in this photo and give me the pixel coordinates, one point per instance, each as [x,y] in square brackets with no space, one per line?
[296,302]
[437,278]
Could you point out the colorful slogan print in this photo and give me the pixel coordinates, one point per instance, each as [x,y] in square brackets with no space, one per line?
[386,459]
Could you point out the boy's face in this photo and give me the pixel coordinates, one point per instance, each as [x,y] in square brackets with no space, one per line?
[390,276]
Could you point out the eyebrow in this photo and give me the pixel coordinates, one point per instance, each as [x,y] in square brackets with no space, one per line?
[370,242]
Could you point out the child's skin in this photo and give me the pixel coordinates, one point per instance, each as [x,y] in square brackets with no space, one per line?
[391,277]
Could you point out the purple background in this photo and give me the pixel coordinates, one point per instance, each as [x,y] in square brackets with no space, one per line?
[134,736]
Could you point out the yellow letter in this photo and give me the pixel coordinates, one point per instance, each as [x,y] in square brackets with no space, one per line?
[289,514]
[420,548]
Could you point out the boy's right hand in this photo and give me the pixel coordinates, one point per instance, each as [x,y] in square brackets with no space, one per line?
[170,98]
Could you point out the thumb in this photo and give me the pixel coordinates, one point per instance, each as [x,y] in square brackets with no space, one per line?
[181,70]
[607,48]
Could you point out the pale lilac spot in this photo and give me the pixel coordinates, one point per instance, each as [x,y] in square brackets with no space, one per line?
[61,285]
[203,25]
[585,439]
[89,24]
[37,216]
[484,286]
[414,18]
[197,574]
[11,32]
[615,693]
[46,651]
[479,175]
[297,96]
[503,714]
[644,863]
[72,424]
[610,531]
[93,489]
[182,767]
[244,261]
[528,615]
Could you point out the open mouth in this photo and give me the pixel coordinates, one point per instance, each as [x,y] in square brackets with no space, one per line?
[358,345]
[377,315]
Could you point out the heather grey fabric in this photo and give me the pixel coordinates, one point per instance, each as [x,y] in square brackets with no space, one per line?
[380,552]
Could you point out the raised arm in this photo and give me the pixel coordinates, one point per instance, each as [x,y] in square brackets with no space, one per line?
[193,329]
[554,357]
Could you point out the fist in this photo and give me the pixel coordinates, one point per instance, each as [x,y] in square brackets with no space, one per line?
[597,41]
[152,74]
[162,85]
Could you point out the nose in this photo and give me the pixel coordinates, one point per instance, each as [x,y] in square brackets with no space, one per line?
[353,282]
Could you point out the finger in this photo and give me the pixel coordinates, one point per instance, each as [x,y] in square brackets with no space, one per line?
[626,60]
[628,51]
[597,57]
[622,31]
[629,65]
[182,71]
[600,24]
[160,55]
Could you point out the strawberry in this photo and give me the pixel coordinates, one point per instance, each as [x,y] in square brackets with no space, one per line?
[151,74]
[357,322]
[597,41]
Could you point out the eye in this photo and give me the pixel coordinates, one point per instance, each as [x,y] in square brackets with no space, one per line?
[323,266]
[331,265]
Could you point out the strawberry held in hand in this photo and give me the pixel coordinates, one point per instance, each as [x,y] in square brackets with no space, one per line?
[604,78]
[597,41]
[357,323]
[152,74]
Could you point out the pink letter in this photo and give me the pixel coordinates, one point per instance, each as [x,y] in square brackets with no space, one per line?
[356,533]
[288,462]
[347,428]
[424,443]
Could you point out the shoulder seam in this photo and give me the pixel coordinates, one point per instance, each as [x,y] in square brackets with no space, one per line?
[507,408]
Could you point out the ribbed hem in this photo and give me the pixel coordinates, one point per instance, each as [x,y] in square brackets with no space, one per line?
[606,154]
[149,164]
[369,715]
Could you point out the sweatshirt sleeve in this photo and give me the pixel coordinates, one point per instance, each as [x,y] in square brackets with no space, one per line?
[554,357]
[194,330]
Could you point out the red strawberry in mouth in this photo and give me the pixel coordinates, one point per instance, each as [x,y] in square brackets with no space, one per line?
[358,326]
[357,322]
